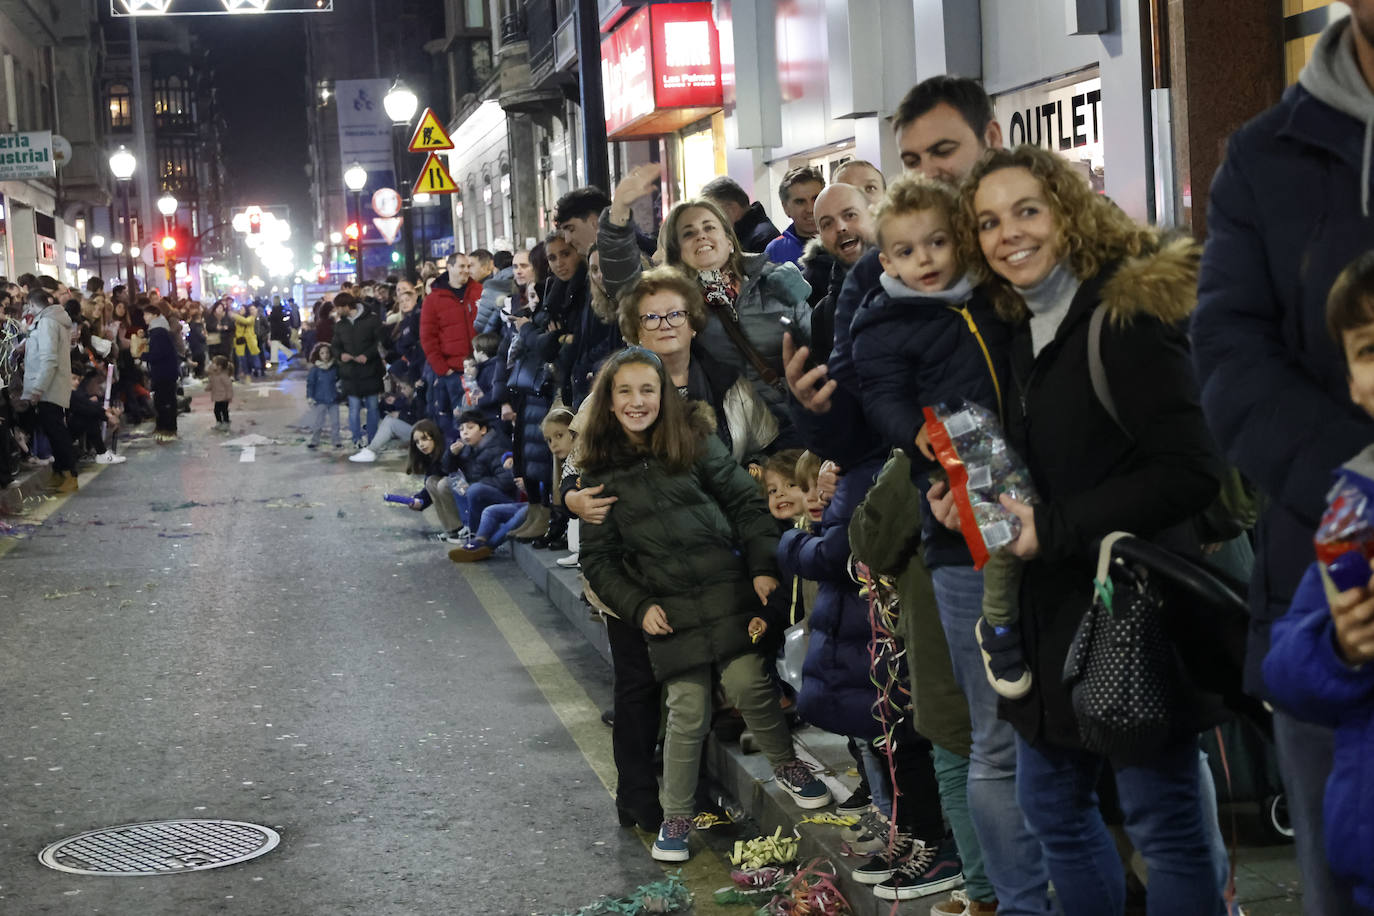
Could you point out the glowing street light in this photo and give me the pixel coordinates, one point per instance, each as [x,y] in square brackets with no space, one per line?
[97,241]
[116,248]
[123,163]
[336,238]
[400,103]
[167,205]
[135,251]
[355,179]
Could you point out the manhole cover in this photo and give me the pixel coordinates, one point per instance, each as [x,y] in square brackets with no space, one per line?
[159,848]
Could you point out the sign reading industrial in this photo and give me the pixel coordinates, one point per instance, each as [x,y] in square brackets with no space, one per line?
[664,57]
[27,155]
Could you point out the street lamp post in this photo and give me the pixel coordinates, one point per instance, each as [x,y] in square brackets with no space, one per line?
[122,165]
[167,206]
[98,243]
[355,179]
[400,104]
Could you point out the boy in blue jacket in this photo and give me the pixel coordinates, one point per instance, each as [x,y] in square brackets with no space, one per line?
[484,457]
[1319,662]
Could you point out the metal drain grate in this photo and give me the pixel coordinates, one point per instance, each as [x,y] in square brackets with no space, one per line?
[159,848]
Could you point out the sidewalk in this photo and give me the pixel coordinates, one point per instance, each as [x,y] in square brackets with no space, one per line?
[746,778]
[1266,875]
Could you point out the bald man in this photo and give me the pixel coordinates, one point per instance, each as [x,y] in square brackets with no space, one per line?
[844,226]
[865,176]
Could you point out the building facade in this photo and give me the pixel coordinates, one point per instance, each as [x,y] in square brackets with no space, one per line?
[50,57]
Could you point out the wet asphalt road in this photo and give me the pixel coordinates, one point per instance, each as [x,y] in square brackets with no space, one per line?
[289,651]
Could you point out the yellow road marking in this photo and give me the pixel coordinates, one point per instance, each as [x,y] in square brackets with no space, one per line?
[705,871]
[44,508]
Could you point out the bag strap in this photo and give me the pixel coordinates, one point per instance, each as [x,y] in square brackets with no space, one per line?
[1098,371]
[742,344]
[1103,586]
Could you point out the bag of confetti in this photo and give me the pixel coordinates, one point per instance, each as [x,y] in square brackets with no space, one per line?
[970,446]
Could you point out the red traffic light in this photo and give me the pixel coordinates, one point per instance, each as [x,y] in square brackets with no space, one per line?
[254,222]
[352,231]
[169,243]
[322,274]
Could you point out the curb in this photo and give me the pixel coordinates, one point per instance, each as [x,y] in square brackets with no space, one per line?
[746,778]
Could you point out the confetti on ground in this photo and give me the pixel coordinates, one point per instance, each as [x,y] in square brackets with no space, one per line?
[283,504]
[667,896]
[832,820]
[172,507]
[53,596]
[251,439]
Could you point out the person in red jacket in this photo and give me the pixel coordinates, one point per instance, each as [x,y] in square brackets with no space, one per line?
[446,334]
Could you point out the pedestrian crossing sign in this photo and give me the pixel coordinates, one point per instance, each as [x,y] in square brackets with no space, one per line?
[435,179]
[429,135]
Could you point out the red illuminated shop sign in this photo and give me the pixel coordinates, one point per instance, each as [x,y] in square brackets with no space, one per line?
[660,70]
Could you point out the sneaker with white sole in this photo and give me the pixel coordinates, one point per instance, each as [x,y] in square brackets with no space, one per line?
[884,865]
[1004,659]
[454,537]
[366,456]
[857,803]
[671,842]
[801,783]
[929,870]
[110,458]
[568,562]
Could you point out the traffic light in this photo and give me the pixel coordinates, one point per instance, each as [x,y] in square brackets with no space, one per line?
[351,234]
[169,245]
[254,221]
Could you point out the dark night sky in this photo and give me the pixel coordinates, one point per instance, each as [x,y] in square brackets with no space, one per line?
[259,71]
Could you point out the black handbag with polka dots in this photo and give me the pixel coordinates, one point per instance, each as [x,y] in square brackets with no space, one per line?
[1122,669]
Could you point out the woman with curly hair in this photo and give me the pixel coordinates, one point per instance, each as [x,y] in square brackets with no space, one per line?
[1052,253]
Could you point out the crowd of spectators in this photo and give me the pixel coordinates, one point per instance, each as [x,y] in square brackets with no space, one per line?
[727,419]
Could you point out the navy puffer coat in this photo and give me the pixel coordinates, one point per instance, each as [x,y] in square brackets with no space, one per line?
[911,352]
[837,691]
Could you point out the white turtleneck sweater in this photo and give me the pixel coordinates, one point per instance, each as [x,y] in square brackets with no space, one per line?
[1049,302]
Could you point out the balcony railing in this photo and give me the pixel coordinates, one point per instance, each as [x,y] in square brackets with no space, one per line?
[540,23]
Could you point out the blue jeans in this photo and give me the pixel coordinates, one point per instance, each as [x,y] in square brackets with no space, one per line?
[1012,856]
[446,393]
[1162,803]
[499,521]
[355,406]
[879,776]
[473,503]
[1305,752]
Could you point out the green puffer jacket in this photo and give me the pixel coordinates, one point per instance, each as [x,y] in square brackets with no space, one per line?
[690,542]
[885,535]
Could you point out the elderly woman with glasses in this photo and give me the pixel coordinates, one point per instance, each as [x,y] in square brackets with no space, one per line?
[745,294]
[665,314]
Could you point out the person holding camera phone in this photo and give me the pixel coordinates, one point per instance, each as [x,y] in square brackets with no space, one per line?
[745,294]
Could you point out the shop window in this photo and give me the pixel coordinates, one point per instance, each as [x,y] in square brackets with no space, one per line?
[117,104]
[171,102]
[1303,21]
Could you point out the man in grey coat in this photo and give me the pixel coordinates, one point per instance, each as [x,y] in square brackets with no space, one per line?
[48,383]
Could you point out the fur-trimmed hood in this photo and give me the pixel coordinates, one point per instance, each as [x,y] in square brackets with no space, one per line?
[813,250]
[1161,284]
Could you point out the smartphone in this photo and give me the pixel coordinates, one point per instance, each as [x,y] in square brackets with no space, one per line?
[801,335]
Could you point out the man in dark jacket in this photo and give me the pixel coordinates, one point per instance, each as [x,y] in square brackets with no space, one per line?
[942,126]
[446,337]
[1289,208]
[484,456]
[845,227]
[164,368]
[358,339]
[753,228]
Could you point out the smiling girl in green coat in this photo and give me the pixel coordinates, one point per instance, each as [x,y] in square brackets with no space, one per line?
[687,555]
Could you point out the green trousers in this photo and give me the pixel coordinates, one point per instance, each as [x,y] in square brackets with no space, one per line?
[689,719]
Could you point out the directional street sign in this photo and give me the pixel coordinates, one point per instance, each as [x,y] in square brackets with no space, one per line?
[429,135]
[435,179]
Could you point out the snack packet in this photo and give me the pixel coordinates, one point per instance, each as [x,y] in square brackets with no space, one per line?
[1345,537]
[973,451]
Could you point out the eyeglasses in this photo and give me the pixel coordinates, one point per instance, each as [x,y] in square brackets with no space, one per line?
[674,319]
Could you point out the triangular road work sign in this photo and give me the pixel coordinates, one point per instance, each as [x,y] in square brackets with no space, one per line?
[435,179]
[388,226]
[429,135]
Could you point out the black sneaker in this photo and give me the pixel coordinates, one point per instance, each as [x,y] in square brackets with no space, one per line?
[857,803]
[929,870]
[884,865]
[1004,661]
